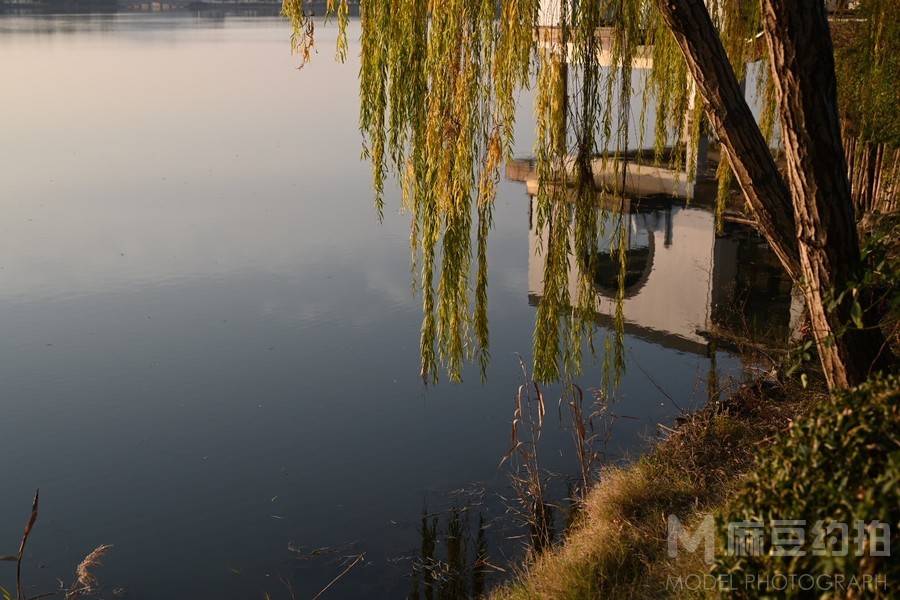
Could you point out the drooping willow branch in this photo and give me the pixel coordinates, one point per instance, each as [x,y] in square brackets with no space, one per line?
[439,83]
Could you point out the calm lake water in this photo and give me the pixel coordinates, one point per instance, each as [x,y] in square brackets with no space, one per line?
[210,348]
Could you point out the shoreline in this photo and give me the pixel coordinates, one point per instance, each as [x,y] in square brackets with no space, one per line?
[618,546]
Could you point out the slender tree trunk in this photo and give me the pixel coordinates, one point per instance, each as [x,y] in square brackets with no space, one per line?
[802,60]
[820,215]
[734,124]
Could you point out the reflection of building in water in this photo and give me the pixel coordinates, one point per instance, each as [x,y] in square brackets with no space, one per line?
[751,295]
[683,283]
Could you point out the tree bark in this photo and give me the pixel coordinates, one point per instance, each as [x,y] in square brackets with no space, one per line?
[734,124]
[811,228]
[802,61]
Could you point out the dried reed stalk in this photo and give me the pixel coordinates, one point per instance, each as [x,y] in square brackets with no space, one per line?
[85,580]
[20,594]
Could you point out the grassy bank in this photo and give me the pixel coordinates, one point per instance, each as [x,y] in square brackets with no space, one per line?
[766,457]
[618,547]
[770,451]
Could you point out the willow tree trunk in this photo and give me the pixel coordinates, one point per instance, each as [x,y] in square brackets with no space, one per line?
[734,124]
[802,61]
[813,233]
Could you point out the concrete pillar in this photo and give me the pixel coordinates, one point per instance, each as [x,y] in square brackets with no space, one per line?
[700,157]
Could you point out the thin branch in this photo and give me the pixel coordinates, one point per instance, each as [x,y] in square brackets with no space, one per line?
[341,574]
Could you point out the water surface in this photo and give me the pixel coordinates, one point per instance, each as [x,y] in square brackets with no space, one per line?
[210,347]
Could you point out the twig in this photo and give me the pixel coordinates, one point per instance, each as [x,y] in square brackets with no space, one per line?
[288,585]
[341,574]
[34,514]
[653,382]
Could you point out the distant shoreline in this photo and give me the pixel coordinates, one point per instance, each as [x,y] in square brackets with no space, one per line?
[256,7]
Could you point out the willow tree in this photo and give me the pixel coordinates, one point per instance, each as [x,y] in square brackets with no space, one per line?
[867,53]
[438,87]
[801,57]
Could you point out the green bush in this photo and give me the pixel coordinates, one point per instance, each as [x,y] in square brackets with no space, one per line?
[838,464]
[867,61]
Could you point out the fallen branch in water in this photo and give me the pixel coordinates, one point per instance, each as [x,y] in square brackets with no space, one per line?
[359,557]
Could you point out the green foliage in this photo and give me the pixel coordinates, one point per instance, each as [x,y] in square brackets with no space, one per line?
[868,69]
[874,290]
[303,29]
[838,464]
[438,90]
[881,257]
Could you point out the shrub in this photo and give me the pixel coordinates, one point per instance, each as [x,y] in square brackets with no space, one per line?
[840,463]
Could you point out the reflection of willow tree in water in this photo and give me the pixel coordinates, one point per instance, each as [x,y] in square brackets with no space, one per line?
[438,87]
[463,572]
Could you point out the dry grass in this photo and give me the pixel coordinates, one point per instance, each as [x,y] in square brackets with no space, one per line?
[85,583]
[618,548]
[85,580]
